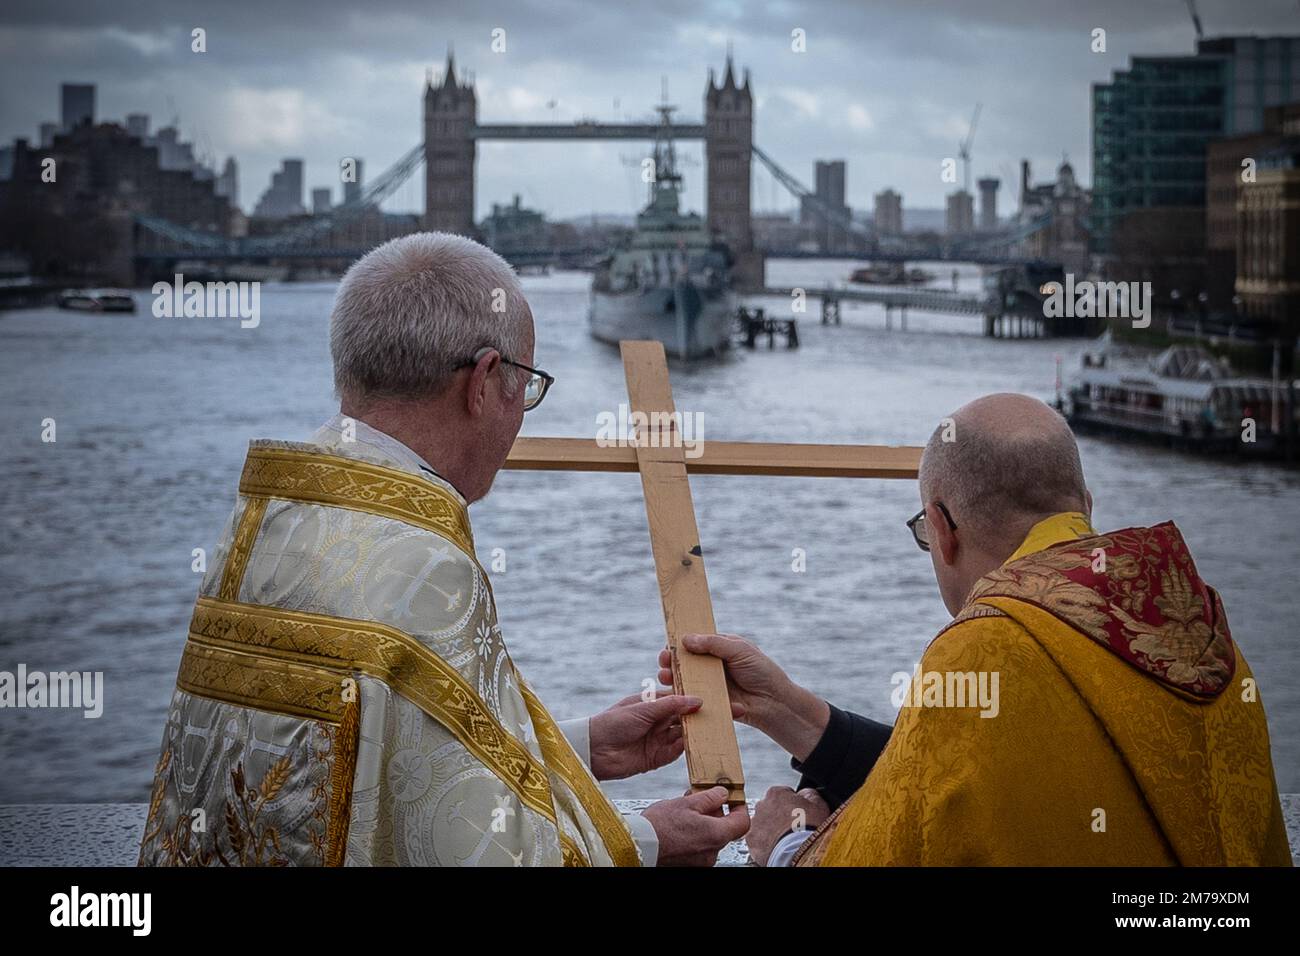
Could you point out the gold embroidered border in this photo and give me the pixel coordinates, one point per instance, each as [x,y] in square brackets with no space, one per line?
[561,758]
[252,680]
[241,548]
[389,655]
[570,855]
[358,486]
[152,828]
[343,771]
[971,612]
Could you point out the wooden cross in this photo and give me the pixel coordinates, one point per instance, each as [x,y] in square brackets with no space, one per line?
[657,452]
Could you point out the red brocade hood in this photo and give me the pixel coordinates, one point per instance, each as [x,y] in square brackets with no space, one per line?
[1137,593]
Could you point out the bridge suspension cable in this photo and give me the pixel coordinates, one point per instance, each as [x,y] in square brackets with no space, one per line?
[299,234]
[840,217]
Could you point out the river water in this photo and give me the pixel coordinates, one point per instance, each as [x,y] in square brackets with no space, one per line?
[153,416]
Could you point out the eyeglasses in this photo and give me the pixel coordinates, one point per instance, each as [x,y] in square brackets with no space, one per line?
[916,524]
[535,389]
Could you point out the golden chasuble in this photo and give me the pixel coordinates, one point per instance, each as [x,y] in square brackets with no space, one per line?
[1128,729]
[345,695]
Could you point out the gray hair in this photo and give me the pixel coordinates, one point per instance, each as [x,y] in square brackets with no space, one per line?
[1001,464]
[410,311]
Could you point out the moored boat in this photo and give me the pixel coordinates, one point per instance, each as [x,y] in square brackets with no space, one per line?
[97,300]
[1182,396]
[893,273]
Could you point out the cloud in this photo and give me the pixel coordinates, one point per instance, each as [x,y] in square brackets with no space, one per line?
[147,44]
[805,102]
[275,118]
[859,118]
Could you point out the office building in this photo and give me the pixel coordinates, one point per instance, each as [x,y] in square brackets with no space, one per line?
[1152,122]
[827,215]
[228,182]
[1230,164]
[1268,232]
[988,188]
[77,104]
[352,190]
[959,218]
[889,213]
[137,124]
[283,197]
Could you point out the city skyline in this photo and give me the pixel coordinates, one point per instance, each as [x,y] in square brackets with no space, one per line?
[340,85]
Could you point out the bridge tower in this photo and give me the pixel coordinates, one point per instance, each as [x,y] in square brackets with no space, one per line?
[728,138]
[450,115]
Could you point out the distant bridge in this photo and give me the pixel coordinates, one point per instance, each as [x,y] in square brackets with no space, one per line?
[451,132]
[326,236]
[1009,312]
[584,130]
[919,253]
[928,300]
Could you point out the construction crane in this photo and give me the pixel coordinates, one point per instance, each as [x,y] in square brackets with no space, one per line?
[1196,19]
[963,149]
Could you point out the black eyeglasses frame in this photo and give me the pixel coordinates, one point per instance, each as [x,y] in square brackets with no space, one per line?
[916,519]
[547,379]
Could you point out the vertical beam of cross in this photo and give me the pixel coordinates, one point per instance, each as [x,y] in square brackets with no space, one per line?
[712,753]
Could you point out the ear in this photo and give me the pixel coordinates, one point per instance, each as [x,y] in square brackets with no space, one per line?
[476,389]
[943,540]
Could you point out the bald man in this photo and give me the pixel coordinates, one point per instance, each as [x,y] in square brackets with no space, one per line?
[1086,705]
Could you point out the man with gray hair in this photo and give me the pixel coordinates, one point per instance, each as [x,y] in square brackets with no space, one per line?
[345,695]
[1086,706]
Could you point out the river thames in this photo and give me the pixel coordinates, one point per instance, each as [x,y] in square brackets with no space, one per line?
[153,417]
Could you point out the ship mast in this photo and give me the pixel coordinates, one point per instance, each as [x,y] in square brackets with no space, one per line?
[667,181]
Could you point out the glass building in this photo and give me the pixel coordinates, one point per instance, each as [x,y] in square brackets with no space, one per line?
[1151,123]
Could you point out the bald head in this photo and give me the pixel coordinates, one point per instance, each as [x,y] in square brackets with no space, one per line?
[1001,464]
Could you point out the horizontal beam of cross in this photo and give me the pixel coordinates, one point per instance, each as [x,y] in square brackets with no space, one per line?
[724,458]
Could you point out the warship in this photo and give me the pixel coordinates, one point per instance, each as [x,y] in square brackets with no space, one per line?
[671,278]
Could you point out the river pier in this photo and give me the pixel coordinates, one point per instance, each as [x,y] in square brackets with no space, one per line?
[998,321]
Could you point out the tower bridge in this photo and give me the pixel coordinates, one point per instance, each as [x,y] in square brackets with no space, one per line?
[452,131]
[583,130]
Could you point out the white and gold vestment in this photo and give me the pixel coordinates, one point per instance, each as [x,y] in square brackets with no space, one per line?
[345,696]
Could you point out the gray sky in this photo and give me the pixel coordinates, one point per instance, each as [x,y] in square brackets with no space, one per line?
[888,85]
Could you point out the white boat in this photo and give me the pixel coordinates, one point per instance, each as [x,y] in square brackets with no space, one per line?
[97,300]
[1182,395]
